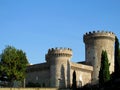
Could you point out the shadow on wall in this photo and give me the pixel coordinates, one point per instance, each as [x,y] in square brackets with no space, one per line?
[68,74]
[62,78]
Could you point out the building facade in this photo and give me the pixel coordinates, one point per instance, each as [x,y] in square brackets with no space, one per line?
[58,69]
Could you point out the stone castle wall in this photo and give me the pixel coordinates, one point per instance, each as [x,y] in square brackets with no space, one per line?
[83,73]
[58,69]
[58,59]
[95,42]
[38,73]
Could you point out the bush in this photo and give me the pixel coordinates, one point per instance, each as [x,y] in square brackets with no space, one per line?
[30,84]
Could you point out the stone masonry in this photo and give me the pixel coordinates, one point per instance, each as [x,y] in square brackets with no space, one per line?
[58,69]
[95,42]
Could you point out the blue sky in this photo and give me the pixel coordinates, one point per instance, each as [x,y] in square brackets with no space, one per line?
[37,25]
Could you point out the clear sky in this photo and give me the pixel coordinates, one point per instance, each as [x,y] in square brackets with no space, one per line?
[37,25]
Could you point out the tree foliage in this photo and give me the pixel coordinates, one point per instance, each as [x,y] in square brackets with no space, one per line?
[13,64]
[104,73]
[117,58]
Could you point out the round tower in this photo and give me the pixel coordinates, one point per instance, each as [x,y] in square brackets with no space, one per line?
[58,59]
[95,42]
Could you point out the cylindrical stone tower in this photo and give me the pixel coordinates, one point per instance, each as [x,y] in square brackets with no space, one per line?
[95,42]
[58,59]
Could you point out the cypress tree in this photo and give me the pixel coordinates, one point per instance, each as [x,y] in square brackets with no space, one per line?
[104,73]
[117,58]
[74,84]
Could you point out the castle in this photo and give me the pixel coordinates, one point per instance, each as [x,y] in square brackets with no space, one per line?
[58,70]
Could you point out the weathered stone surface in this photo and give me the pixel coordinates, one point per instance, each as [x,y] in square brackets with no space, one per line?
[58,69]
[95,42]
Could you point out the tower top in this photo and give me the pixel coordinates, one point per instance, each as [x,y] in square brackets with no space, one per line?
[53,52]
[99,34]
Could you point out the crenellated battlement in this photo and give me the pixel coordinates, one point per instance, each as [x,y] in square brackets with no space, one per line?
[67,52]
[59,50]
[99,34]
[95,42]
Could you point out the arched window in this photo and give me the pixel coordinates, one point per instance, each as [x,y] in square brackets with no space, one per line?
[80,83]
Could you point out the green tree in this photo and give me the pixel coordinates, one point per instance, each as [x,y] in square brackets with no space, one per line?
[104,73]
[13,64]
[74,84]
[117,59]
